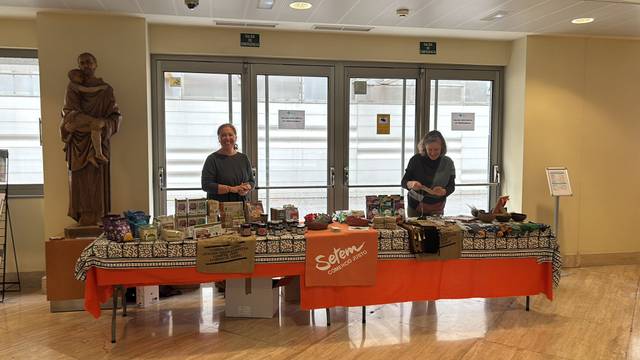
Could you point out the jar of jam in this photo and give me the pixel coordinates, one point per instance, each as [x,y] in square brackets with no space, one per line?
[291,226]
[261,230]
[301,229]
[245,229]
[279,229]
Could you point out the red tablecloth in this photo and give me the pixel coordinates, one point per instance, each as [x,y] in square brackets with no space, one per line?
[397,281]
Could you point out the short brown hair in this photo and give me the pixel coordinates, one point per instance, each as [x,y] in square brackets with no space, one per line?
[431,137]
[229,125]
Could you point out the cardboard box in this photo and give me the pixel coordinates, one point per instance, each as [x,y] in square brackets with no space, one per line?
[147,295]
[253,298]
[181,206]
[60,258]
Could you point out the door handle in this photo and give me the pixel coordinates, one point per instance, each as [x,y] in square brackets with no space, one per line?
[161,179]
[332,177]
[346,176]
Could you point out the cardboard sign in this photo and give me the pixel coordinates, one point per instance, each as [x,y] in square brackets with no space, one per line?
[226,254]
[383,124]
[345,258]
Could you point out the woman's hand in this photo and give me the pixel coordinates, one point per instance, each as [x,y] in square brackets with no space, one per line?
[439,191]
[243,189]
[414,185]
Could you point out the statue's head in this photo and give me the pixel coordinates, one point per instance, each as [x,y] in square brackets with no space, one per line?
[87,63]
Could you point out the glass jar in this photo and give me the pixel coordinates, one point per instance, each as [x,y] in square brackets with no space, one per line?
[261,230]
[301,229]
[245,229]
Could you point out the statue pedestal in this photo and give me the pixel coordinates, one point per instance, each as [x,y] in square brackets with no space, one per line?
[77,231]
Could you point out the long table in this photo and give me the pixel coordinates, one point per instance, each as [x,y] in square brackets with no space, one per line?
[520,264]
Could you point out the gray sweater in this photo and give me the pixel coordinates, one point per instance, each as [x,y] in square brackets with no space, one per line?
[226,170]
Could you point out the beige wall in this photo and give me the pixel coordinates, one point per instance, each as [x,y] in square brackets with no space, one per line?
[194,40]
[581,112]
[27,216]
[120,44]
[513,124]
[18,33]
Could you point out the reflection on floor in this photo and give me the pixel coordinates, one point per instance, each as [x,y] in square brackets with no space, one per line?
[595,316]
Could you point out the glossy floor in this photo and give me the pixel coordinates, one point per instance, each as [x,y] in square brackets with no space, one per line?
[596,315]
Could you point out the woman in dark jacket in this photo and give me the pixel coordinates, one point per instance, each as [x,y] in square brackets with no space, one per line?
[429,177]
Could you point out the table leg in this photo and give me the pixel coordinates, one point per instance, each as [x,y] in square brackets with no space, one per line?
[113,314]
[527,304]
[124,301]
[328,317]
[364,314]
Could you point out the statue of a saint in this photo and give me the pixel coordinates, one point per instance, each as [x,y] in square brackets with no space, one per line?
[89,118]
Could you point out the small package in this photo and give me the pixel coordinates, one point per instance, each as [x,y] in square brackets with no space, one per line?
[182,222]
[181,207]
[171,235]
[278,214]
[291,212]
[253,211]
[165,222]
[213,210]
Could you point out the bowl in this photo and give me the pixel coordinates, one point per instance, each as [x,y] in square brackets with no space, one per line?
[518,217]
[486,217]
[503,217]
[316,225]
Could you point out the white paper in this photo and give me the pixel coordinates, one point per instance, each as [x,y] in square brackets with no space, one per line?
[463,121]
[290,119]
[559,184]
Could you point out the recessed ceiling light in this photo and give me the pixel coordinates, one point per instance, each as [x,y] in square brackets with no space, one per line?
[300,5]
[495,15]
[582,20]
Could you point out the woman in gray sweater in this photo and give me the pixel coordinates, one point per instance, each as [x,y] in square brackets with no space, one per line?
[226,174]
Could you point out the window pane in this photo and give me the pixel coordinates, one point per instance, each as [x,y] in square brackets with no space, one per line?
[293,157]
[195,105]
[377,158]
[19,119]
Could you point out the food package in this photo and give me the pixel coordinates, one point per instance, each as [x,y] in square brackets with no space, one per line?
[291,212]
[278,214]
[253,211]
[171,235]
[213,210]
[181,207]
[165,222]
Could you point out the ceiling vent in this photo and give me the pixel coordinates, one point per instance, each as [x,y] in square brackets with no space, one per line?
[342,28]
[245,24]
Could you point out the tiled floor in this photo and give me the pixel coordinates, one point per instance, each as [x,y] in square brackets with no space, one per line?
[594,316]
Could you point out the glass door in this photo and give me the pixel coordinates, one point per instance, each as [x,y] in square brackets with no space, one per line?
[294,157]
[463,106]
[379,152]
[196,99]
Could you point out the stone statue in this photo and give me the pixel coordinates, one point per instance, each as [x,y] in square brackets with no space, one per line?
[89,118]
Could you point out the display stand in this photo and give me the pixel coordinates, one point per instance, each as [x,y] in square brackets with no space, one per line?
[559,185]
[6,228]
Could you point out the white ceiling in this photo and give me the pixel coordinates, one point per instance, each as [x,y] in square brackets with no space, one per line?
[438,18]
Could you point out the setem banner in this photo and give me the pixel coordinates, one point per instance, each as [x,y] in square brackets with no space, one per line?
[344,258]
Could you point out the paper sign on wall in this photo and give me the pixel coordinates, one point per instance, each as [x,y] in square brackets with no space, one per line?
[463,121]
[383,124]
[558,178]
[290,119]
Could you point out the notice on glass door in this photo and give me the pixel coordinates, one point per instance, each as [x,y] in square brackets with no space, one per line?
[290,119]
[463,121]
[558,178]
[383,124]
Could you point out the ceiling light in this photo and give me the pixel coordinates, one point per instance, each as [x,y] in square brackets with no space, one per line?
[495,15]
[265,4]
[582,20]
[300,5]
